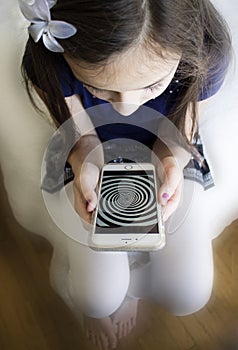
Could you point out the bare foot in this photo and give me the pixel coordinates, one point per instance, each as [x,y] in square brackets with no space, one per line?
[101,332]
[124,319]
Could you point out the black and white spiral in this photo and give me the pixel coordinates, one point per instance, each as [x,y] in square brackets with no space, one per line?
[127,201]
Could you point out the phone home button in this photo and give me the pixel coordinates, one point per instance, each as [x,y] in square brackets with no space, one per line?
[128,167]
[125,240]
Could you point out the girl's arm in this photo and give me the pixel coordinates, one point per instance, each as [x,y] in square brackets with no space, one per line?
[86,160]
[88,148]
[173,158]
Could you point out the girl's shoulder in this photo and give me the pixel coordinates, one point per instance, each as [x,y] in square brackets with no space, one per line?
[213,82]
[216,73]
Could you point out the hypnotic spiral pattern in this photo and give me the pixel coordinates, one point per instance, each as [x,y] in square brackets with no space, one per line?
[127,201]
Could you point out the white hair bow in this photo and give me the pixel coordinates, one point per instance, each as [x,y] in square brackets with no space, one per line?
[38,13]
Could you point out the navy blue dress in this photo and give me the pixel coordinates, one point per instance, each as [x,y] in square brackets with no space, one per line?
[109,130]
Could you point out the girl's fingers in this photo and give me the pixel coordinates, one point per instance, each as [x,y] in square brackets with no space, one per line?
[91,201]
[170,191]
[169,187]
[172,203]
[80,206]
[85,197]
[88,180]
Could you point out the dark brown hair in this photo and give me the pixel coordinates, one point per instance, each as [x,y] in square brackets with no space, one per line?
[106,27]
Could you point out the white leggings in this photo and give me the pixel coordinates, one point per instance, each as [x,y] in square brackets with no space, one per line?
[179,277]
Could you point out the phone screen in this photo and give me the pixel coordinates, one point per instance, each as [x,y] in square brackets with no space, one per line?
[127,203]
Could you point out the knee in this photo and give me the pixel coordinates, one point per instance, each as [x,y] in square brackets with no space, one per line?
[191,301]
[100,300]
[100,308]
[185,300]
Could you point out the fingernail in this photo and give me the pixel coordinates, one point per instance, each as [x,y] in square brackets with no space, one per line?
[90,206]
[165,197]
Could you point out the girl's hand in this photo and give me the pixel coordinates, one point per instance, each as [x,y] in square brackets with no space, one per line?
[84,186]
[170,191]
[86,159]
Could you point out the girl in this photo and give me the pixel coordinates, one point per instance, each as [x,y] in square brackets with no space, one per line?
[169,56]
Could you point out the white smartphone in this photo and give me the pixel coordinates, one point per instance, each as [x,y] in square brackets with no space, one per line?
[128,215]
